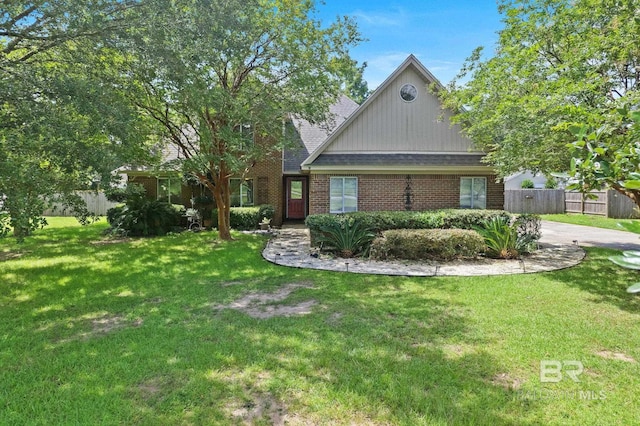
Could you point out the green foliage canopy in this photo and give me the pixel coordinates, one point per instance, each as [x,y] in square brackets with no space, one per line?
[557,63]
[220,78]
[63,124]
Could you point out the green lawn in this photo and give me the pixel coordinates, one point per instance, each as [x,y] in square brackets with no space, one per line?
[142,332]
[588,220]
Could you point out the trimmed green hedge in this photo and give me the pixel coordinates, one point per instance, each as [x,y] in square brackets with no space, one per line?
[386,220]
[141,217]
[246,218]
[421,244]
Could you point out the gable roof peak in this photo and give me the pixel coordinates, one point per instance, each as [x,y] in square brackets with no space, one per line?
[411,61]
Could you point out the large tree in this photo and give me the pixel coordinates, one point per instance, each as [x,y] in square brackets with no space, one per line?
[62,122]
[557,64]
[222,76]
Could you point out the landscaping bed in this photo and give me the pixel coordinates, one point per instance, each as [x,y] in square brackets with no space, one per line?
[437,234]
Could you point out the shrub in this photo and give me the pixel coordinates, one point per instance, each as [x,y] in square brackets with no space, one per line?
[507,239]
[551,183]
[500,237]
[5,224]
[421,244]
[122,195]
[348,237]
[247,218]
[469,218]
[528,231]
[385,220]
[141,217]
[266,210]
[527,184]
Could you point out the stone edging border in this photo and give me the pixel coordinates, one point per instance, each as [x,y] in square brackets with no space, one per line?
[291,247]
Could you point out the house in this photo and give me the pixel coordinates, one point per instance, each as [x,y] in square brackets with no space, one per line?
[396,151]
[539,180]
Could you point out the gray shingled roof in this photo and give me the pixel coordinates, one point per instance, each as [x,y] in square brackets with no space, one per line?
[311,136]
[422,160]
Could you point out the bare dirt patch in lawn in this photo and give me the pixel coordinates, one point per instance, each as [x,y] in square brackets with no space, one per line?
[232,283]
[619,356]
[264,305]
[506,381]
[102,325]
[114,240]
[10,255]
[260,406]
[150,388]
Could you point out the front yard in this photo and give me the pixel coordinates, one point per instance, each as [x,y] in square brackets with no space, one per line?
[184,330]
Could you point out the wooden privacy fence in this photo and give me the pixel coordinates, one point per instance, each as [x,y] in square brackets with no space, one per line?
[553,201]
[96,203]
[603,203]
[539,201]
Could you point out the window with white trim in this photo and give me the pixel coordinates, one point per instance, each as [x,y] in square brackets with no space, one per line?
[241,192]
[170,190]
[473,193]
[343,194]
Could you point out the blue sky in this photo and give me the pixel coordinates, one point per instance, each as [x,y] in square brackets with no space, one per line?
[441,34]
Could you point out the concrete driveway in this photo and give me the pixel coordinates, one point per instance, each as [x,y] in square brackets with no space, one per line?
[564,233]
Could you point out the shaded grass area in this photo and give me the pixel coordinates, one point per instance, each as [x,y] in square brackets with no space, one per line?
[142,332]
[588,220]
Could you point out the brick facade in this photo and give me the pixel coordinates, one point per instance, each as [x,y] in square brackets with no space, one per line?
[388,192]
[267,185]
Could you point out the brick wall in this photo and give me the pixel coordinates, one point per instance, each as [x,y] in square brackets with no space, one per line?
[150,184]
[267,181]
[268,184]
[387,192]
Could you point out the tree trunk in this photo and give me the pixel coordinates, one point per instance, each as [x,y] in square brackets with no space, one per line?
[220,190]
[220,194]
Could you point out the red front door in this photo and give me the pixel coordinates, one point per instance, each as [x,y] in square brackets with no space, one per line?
[296,197]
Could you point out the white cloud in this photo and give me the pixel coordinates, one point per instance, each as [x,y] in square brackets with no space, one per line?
[381,66]
[391,18]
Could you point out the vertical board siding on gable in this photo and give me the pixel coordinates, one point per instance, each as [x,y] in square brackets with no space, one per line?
[387,192]
[389,124]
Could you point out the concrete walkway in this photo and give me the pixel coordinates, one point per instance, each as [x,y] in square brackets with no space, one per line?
[564,233]
[291,247]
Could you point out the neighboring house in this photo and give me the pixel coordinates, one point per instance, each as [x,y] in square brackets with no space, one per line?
[515,180]
[397,151]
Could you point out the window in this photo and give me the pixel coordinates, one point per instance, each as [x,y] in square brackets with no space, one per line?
[295,192]
[248,136]
[408,93]
[170,190]
[473,193]
[241,192]
[343,194]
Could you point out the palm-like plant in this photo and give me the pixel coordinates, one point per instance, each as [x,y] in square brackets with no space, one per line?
[500,237]
[348,237]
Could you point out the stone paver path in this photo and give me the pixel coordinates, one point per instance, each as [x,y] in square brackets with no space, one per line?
[291,247]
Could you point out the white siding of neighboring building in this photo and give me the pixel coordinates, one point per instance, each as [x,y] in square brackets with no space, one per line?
[515,181]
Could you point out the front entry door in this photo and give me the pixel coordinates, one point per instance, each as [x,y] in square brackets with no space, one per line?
[296,197]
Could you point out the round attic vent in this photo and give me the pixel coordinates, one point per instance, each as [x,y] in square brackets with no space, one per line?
[408,92]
